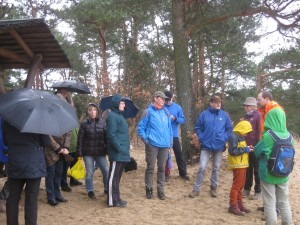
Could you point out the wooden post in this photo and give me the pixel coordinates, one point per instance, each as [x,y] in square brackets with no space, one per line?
[36,63]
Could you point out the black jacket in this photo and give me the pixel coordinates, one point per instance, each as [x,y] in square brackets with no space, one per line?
[92,138]
[26,158]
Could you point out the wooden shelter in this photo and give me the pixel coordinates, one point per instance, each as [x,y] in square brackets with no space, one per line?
[29,44]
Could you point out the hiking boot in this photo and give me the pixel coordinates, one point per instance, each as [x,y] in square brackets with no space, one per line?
[246,193]
[149,193]
[256,196]
[194,194]
[185,177]
[66,188]
[167,178]
[74,182]
[243,208]
[213,193]
[234,209]
[91,195]
[161,195]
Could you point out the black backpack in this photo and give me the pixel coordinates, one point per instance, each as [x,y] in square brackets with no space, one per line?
[281,160]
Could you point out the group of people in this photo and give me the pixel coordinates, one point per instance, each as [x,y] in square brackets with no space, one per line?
[248,145]
[249,148]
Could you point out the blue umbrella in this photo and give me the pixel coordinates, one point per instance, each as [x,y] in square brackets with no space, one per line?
[130,108]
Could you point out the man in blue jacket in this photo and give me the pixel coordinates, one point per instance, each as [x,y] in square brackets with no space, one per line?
[156,132]
[213,129]
[177,118]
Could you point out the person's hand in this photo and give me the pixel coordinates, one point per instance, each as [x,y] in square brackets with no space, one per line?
[64,151]
[250,148]
[173,117]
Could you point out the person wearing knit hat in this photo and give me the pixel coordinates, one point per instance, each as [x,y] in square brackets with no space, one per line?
[177,118]
[254,117]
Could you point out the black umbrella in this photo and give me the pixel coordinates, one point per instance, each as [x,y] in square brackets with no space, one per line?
[72,86]
[130,108]
[35,111]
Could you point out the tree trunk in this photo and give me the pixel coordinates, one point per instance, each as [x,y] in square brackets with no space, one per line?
[104,73]
[183,73]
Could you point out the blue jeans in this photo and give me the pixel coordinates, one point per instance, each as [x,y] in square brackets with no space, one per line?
[276,196]
[89,162]
[53,180]
[216,163]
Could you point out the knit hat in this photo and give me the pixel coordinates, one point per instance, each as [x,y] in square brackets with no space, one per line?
[250,101]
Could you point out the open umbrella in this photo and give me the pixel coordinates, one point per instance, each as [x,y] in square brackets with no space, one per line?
[72,86]
[130,108]
[36,111]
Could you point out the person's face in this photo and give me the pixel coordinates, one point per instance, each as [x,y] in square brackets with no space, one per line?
[168,101]
[122,106]
[92,112]
[159,101]
[261,102]
[248,108]
[215,105]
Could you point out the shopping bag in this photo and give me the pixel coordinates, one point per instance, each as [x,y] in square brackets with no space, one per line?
[77,171]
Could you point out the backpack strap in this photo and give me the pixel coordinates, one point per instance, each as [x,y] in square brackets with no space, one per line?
[276,138]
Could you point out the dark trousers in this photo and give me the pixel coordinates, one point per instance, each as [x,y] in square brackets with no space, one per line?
[179,157]
[66,166]
[115,173]
[53,180]
[31,200]
[252,170]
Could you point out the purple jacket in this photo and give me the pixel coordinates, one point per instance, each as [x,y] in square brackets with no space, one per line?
[254,118]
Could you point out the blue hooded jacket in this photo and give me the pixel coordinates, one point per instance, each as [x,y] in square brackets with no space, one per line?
[213,129]
[155,127]
[176,111]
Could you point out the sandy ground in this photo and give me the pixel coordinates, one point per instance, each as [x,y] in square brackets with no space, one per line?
[178,208]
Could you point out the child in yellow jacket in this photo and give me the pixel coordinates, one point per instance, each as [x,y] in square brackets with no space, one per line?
[238,163]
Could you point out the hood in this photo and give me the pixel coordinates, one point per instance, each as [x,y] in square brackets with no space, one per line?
[115,101]
[242,128]
[276,121]
[91,104]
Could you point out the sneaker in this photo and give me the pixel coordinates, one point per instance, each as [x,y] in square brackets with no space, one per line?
[194,194]
[246,193]
[256,196]
[66,188]
[91,195]
[213,193]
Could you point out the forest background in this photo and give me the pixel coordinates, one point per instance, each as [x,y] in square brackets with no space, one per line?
[195,48]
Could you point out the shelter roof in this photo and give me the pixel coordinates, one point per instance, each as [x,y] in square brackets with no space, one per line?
[22,39]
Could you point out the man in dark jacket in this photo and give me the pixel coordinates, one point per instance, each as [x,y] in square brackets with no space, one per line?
[254,117]
[118,150]
[26,166]
[213,129]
